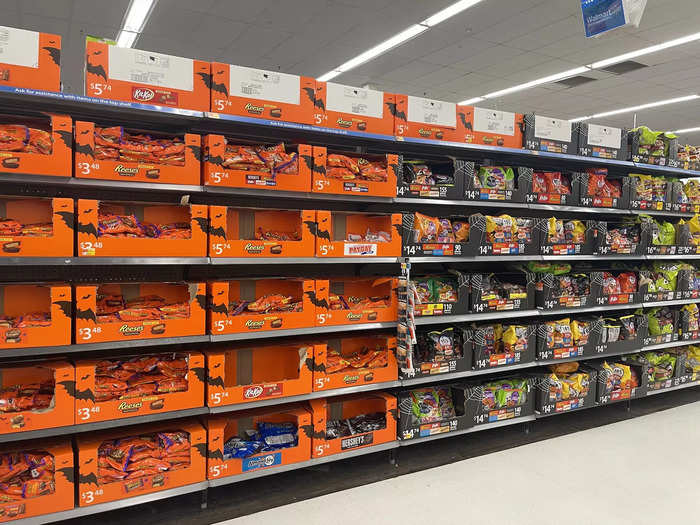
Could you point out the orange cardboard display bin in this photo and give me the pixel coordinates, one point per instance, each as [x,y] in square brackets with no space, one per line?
[249,232]
[424,118]
[250,92]
[293,175]
[112,72]
[119,322]
[56,163]
[252,373]
[489,127]
[93,242]
[50,405]
[224,427]
[350,183]
[355,109]
[92,489]
[327,378]
[30,60]
[226,297]
[344,234]
[146,393]
[345,407]
[36,227]
[63,495]
[35,314]
[356,300]
[88,166]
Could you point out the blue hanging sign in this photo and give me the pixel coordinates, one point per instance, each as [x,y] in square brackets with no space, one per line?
[600,16]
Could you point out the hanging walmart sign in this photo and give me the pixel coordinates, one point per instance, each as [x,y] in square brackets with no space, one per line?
[601,16]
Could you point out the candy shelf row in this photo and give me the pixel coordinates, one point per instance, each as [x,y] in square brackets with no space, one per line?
[207,466]
[90,107]
[90,394]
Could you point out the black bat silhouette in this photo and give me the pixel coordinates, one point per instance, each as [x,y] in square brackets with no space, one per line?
[394,168]
[89,228]
[55,54]
[308,160]
[215,381]
[85,149]
[393,109]
[217,231]
[66,307]
[88,479]
[397,227]
[321,303]
[70,387]
[69,473]
[311,434]
[218,160]
[312,366]
[318,102]
[96,70]
[208,79]
[87,315]
[201,448]
[202,222]
[215,454]
[394,413]
[313,228]
[218,308]
[85,377]
[201,301]
[200,372]
[319,168]
[197,152]
[89,461]
[68,217]
[463,118]
[66,137]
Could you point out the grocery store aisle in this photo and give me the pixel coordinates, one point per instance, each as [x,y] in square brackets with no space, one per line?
[610,467]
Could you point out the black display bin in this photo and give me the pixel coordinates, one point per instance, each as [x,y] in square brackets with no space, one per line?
[603,247]
[567,248]
[473,191]
[480,414]
[592,201]
[459,169]
[461,306]
[544,353]
[637,203]
[671,159]
[463,338]
[545,295]
[484,360]
[526,180]
[605,396]
[410,427]
[478,305]
[546,403]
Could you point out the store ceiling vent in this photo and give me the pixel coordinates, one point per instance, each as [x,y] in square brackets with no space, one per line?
[578,80]
[624,67]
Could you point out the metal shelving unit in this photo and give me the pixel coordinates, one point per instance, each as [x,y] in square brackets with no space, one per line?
[90,108]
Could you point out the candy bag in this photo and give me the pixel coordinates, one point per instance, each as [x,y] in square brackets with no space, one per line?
[461,231]
[425,228]
[496,177]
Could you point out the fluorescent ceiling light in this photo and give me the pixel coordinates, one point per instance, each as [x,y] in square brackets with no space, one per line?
[686,130]
[645,51]
[596,65]
[136,16]
[640,107]
[449,12]
[126,38]
[539,81]
[470,101]
[400,38]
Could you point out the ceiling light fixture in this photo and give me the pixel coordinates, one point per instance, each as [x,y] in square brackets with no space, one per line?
[400,38]
[638,108]
[136,17]
[595,65]
[686,130]
[470,101]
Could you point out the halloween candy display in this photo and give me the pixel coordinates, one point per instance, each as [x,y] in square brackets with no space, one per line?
[268,159]
[565,231]
[494,178]
[26,475]
[495,287]
[363,423]
[437,345]
[567,383]
[115,308]
[142,455]
[551,182]
[617,377]
[139,377]
[439,289]
[507,229]
[116,143]
[498,339]
[566,333]
[112,225]
[601,186]
[33,396]
[506,393]
[431,404]
[265,304]
[423,173]
[649,188]
[653,147]
[25,139]
[363,359]
[265,437]
[349,168]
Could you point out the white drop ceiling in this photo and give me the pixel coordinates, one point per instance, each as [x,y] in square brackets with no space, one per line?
[491,46]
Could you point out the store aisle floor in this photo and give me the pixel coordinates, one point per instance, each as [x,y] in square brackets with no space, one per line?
[607,471]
